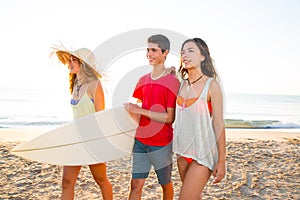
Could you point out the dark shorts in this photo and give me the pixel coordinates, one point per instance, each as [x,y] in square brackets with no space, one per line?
[159,156]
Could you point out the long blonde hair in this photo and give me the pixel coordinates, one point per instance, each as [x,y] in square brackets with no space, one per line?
[88,72]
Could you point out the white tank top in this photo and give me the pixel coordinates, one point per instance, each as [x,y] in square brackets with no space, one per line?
[194,136]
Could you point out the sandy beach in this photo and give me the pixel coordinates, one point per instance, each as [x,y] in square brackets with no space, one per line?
[261,164]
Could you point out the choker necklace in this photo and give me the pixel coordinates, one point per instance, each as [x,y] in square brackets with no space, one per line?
[191,83]
[158,77]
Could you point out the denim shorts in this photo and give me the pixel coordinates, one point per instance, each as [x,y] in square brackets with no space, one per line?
[159,156]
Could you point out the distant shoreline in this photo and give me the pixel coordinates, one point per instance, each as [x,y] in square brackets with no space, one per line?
[229,123]
[260,124]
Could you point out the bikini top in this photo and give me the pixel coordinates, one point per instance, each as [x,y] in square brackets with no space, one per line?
[188,102]
[75,102]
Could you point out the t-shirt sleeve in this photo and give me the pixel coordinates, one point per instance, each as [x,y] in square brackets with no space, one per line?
[172,93]
[138,91]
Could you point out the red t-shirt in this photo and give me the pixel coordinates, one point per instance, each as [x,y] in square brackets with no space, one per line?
[157,96]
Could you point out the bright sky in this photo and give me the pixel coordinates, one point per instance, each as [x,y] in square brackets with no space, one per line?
[255,43]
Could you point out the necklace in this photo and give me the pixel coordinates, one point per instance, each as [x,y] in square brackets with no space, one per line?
[191,83]
[79,86]
[158,77]
[78,89]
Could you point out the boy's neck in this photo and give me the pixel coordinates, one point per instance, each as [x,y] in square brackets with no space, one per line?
[158,69]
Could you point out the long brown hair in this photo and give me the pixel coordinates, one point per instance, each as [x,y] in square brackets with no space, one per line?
[207,66]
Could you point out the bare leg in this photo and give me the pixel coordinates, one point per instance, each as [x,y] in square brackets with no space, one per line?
[182,165]
[136,188]
[168,191]
[196,177]
[99,175]
[70,174]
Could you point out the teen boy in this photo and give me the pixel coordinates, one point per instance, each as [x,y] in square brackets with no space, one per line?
[153,140]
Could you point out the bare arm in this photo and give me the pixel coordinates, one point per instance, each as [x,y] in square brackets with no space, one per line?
[164,117]
[99,99]
[216,97]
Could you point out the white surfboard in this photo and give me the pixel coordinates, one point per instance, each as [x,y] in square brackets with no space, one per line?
[99,137]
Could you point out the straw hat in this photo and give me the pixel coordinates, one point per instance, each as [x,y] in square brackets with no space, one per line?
[83,54]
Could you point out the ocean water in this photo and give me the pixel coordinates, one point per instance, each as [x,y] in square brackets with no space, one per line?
[262,111]
[34,107]
[20,107]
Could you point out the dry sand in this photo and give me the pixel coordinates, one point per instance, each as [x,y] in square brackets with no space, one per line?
[261,164]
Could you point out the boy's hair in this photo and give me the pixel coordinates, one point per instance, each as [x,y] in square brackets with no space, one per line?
[161,40]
